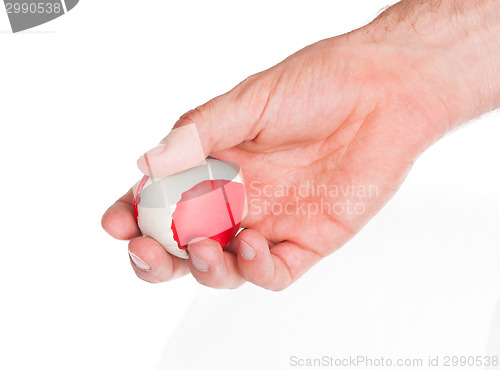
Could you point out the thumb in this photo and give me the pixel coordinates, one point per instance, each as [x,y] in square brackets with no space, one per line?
[222,123]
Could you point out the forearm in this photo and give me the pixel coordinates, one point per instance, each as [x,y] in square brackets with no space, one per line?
[459,45]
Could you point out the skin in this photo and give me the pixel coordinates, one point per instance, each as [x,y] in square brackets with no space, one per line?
[354,111]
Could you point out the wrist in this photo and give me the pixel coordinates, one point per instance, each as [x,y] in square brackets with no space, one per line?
[455,47]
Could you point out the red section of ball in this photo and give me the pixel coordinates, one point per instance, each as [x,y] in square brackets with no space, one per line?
[137,197]
[208,210]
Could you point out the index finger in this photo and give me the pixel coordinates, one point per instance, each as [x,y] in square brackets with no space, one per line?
[119,220]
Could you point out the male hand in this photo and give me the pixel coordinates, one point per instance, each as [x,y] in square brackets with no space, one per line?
[324,139]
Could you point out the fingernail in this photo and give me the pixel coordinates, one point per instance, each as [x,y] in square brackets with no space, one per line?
[139,263]
[199,263]
[157,150]
[246,251]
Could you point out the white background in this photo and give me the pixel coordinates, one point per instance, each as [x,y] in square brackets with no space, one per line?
[83,96]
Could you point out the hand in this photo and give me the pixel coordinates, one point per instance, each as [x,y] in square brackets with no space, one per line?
[324,139]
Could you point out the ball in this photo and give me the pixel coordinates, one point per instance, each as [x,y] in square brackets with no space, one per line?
[207,201]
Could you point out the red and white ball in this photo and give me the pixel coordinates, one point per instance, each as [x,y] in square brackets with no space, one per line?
[208,201]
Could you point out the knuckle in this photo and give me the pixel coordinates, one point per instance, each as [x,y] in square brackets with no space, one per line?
[152,277]
[148,279]
[209,282]
[194,115]
[212,279]
[279,288]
